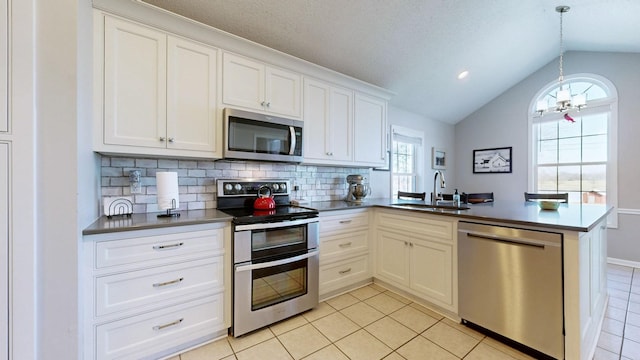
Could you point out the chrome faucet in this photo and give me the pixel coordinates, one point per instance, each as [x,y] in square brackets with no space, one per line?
[442,185]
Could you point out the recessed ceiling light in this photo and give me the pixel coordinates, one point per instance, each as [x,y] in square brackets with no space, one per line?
[463,74]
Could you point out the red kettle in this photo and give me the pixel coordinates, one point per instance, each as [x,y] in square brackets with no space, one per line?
[265,199]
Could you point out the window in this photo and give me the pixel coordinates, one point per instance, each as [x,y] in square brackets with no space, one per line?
[406,160]
[579,156]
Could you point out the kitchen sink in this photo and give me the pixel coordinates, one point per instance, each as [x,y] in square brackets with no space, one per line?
[430,207]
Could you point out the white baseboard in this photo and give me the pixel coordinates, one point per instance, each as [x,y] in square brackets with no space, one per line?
[634,264]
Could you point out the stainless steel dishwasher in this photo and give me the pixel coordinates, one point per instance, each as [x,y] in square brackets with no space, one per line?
[510,282]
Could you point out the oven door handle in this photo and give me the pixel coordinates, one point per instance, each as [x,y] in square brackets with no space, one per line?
[278,224]
[277,262]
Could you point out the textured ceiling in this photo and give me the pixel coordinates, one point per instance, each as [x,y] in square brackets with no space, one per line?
[416,48]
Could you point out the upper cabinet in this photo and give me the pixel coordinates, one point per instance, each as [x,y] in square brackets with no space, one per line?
[328,123]
[253,85]
[343,126]
[156,93]
[4,69]
[370,125]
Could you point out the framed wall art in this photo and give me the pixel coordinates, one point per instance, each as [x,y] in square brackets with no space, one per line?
[491,161]
[438,158]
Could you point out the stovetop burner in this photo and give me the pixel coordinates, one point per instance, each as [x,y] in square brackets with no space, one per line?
[236,197]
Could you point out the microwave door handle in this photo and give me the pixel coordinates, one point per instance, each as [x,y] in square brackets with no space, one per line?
[292,133]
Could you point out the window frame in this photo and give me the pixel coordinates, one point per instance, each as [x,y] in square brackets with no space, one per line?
[418,158]
[608,104]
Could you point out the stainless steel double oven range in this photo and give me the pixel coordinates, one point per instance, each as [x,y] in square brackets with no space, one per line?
[275,254]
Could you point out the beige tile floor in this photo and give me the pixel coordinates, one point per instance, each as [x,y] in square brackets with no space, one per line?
[374,323]
[620,336]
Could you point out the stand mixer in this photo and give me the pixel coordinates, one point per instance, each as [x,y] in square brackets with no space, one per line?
[358,188]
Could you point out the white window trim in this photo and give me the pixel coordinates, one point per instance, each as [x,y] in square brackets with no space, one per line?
[420,155]
[612,135]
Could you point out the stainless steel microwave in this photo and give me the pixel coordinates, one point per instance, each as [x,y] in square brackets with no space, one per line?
[253,136]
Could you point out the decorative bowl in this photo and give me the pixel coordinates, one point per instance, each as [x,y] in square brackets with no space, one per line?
[549,205]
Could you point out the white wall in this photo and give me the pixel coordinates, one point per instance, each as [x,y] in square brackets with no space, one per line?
[436,134]
[503,122]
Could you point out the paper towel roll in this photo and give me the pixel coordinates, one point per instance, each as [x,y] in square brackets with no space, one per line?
[167,185]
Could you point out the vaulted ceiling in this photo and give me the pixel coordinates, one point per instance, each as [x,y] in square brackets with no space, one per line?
[416,48]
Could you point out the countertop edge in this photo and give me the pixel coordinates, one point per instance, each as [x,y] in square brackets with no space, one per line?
[146,221]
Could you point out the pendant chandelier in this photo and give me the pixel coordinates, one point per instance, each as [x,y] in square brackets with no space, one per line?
[564,100]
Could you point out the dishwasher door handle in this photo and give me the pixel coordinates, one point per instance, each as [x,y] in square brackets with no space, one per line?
[507,240]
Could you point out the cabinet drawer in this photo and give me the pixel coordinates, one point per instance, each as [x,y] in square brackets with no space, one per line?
[343,243]
[147,250]
[343,273]
[151,333]
[343,221]
[132,290]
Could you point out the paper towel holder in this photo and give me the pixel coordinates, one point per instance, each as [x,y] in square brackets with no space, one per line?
[171,211]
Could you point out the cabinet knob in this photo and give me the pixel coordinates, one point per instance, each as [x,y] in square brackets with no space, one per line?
[268,104]
[171,139]
[264,104]
[330,153]
[162,138]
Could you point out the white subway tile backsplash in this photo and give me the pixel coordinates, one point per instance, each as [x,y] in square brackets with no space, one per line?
[197,179]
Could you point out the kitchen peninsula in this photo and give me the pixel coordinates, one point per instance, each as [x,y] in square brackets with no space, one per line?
[375,222]
[431,236]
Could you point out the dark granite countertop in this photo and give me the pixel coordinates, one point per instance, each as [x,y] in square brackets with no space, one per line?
[152,221]
[570,217]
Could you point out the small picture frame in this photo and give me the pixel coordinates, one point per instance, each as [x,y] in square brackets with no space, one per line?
[492,161]
[438,158]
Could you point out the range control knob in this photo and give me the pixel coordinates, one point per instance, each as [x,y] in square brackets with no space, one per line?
[228,187]
[283,187]
[275,187]
[238,187]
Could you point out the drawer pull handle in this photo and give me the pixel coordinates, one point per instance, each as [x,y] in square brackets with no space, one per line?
[173,323]
[345,221]
[168,282]
[167,247]
[345,244]
[342,272]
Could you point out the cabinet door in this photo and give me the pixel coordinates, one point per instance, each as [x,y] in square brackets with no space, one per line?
[243,82]
[328,122]
[341,124]
[4,250]
[370,130]
[316,120]
[283,90]
[191,96]
[134,85]
[431,271]
[4,58]
[393,257]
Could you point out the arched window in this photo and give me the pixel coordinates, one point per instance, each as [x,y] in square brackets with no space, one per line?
[577,153]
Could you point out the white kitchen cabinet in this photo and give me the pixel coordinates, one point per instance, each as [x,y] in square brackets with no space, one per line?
[159,92]
[370,131]
[344,250]
[328,128]
[4,69]
[4,249]
[417,254]
[152,293]
[253,85]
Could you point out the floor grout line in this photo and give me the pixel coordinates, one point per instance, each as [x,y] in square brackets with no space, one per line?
[635,274]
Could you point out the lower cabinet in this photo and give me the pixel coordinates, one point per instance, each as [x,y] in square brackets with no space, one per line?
[153,293]
[344,250]
[417,254]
